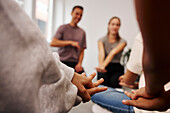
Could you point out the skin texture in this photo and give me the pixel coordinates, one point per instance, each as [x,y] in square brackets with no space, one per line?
[85,86]
[156,62]
[128,79]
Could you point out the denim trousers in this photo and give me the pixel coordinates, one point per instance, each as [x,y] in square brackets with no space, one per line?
[112,100]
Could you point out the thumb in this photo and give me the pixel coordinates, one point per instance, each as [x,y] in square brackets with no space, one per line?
[130,102]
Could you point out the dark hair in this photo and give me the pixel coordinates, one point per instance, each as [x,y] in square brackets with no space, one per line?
[77,6]
[115,17]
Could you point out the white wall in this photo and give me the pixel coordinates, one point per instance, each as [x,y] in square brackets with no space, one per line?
[95,19]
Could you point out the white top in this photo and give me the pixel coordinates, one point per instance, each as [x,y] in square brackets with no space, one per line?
[135,65]
[32,79]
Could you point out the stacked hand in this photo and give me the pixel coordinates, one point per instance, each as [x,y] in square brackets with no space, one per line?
[85,86]
[141,99]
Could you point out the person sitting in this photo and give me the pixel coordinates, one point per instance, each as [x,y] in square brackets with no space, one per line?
[112,99]
[110,51]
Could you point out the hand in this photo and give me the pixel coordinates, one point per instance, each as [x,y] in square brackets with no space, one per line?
[101,69]
[75,44]
[126,83]
[78,68]
[159,103]
[85,86]
[133,86]
[138,93]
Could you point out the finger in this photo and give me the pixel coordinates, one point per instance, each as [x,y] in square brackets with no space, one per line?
[130,102]
[135,95]
[128,94]
[83,74]
[84,95]
[94,90]
[92,76]
[97,83]
[78,47]
[133,91]
[126,85]
[121,77]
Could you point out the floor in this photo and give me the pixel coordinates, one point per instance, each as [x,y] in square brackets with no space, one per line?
[82,108]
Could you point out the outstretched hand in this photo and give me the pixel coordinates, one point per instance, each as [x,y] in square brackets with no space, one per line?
[142,100]
[85,86]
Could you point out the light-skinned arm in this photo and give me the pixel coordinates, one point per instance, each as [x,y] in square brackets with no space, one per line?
[113,52]
[85,86]
[79,67]
[128,79]
[101,56]
[61,43]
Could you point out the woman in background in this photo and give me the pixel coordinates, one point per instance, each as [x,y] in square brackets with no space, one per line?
[110,51]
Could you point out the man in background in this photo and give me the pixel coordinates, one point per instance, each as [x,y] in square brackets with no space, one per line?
[71,40]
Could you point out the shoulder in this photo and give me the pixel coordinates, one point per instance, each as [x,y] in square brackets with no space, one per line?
[103,39]
[81,29]
[122,40]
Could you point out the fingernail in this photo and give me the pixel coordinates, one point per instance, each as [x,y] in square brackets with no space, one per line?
[101,79]
[123,101]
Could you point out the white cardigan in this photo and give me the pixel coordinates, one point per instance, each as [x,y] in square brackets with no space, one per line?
[32,79]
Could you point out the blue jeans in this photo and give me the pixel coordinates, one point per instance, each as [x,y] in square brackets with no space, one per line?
[112,100]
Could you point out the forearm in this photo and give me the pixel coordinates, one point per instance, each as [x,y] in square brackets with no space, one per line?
[156,59]
[113,52]
[101,59]
[60,43]
[155,78]
[81,57]
[101,54]
[130,77]
[108,59]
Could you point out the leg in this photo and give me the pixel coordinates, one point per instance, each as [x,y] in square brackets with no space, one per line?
[115,70]
[112,100]
[104,76]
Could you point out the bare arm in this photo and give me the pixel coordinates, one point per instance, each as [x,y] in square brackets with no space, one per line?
[128,79]
[79,67]
[60,43]
[154,23]
[101,54]
[113,52]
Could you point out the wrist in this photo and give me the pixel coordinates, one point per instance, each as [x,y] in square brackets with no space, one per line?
[155,92]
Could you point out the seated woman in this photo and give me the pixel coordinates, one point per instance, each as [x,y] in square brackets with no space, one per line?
[112,99]
[110,51]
